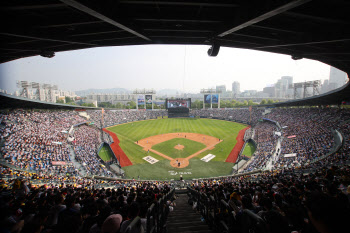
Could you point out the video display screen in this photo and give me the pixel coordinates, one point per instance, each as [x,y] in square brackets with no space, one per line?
[215,99]
[178,103]
[148,99]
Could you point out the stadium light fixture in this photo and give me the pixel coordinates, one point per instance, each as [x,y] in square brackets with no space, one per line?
[214,50]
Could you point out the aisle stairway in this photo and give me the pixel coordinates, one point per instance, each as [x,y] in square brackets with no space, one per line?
[184,219]
[81,169]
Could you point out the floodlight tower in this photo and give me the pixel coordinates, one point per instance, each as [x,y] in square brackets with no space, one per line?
[316,87]
[48,88]
[295,87]
[37,94]
[51,93]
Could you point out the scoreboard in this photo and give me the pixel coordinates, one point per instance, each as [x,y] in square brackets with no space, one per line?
[178,103]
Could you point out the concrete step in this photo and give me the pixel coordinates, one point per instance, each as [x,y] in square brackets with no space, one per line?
[186,224]
[188,228]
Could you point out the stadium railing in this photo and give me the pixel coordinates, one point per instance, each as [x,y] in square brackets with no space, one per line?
[157,214]
[134,226]
[219,215]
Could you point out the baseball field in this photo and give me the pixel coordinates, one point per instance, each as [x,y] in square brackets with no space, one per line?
[164,149]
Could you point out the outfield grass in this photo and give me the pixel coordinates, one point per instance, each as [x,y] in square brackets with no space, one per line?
[190,147]
[249,150]
[129,133]
[105,154]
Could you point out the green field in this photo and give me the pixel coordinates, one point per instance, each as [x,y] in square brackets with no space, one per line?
[249,149]
[105,154]
[129,133]
[167,147]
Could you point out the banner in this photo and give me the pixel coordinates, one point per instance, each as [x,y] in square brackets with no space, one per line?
[292,136]
[148,99]
[141,100]
[289,155]
[58,163]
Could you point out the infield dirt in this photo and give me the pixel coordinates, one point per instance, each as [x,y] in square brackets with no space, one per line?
[207,140]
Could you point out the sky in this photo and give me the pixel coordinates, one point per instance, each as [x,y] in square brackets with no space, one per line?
[184,67]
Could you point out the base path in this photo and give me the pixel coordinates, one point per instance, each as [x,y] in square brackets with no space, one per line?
[118,151]
[209,141]
[238,147]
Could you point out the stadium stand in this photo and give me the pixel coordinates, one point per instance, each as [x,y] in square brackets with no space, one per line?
[275,201]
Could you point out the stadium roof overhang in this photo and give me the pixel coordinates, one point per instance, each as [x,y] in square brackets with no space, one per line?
[10,102]
[313,29]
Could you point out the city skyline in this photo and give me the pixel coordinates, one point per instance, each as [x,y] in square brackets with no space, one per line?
[185,68]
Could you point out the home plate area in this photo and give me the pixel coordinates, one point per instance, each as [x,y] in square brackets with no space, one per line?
[150,159]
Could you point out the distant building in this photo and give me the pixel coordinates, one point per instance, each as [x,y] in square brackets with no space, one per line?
[236,88]
[249,93]
[325,86]
[282,89]
[111,98]
[270,91]
[337,77]
[221,88]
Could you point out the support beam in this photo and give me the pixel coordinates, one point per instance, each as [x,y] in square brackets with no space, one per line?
[32,7]
[184,3]
[46,39]
[267,15]
[315,18]
[302,44]
[89,11]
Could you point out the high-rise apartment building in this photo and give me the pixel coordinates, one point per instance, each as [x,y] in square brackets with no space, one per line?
[236,88]
[337,77]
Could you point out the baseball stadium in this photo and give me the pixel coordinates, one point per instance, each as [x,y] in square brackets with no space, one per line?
[263,167]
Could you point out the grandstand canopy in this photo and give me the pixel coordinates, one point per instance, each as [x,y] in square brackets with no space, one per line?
[314,29]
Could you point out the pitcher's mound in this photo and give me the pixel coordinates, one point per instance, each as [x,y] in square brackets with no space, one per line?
[179,147]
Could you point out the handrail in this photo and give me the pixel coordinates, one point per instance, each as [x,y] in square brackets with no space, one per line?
[135,226]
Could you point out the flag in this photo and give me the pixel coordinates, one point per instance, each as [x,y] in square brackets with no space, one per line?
[250,108]
[103,110]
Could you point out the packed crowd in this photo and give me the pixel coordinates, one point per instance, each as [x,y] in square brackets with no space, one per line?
[37,140]
[306,132]
[67,203]
[239,114]
[317,202]
[306,136]
[73,208]
[114,117]
[86,143]
[264,136]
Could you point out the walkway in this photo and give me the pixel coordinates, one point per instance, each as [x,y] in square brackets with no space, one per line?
[81,169]
[184,219]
